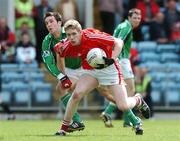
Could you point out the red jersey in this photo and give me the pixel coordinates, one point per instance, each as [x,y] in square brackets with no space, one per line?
[91,38]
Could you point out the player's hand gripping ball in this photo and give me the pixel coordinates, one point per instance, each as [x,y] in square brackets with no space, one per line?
[97,59]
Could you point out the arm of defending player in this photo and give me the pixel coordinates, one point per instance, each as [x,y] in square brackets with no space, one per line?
[65,81]
[60,63]
[50,63]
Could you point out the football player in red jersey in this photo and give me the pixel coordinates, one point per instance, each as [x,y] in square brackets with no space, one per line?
[78,43]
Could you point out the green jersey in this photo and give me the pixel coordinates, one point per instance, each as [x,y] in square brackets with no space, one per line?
[49,58]
[124,32]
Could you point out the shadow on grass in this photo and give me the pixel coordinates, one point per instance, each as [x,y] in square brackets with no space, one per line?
[71,135]
[56,136]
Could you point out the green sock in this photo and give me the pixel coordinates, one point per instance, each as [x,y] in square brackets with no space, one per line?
[65,99]
[110,108]
[131,117]
[125,118]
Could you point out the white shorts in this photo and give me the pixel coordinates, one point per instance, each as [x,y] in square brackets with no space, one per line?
[126,68]
[74,73]
[107,76]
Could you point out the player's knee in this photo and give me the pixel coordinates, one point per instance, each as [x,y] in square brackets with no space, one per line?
[76,96]
[131,93]
[123,107]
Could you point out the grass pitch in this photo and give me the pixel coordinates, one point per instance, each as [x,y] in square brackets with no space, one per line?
[43,130]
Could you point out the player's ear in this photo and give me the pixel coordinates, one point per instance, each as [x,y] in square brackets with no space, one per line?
[60,23]
[80,31]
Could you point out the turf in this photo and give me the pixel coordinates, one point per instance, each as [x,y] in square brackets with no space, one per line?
[43,130]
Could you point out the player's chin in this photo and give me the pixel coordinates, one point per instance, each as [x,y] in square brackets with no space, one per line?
[51,31]
[74,43]
[136,25]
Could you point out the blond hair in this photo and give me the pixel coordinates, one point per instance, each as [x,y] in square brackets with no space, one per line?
[72,24]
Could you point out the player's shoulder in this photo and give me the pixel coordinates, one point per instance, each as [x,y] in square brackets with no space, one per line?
[92,33]
[47,38]
[124,24]
[46,41]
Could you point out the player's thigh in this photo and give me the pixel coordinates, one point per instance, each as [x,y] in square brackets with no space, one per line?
[120,96]
[106,92]
[85,84]
[73,73]
[130,86]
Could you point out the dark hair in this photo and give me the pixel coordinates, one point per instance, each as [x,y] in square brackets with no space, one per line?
[56,15]
[134,11]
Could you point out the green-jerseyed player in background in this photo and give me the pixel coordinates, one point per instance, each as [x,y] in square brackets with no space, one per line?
[124,31]
[50,58]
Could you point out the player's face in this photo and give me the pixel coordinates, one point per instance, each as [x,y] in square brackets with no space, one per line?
[135,20]
[52,25]
[74,36]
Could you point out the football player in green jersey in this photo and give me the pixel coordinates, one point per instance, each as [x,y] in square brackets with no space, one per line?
[124,31]
[53,24]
